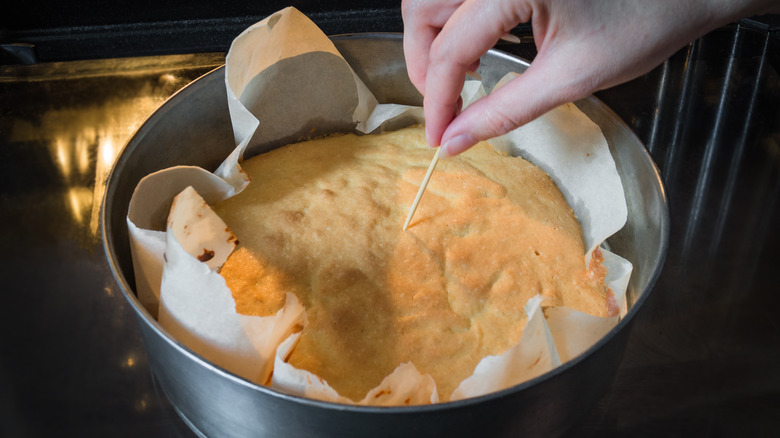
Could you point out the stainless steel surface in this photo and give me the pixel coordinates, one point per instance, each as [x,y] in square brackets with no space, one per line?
[195,128]
[71,358]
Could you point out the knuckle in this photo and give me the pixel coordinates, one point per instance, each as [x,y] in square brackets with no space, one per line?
[438,51]
[499,122]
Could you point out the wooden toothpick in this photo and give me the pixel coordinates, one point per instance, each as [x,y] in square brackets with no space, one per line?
[422,188]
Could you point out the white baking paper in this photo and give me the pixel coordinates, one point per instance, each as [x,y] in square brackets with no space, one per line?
[268,71]
[580,164]
[198,309]
[534,355]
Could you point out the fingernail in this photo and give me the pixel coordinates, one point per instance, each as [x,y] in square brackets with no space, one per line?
[456,145]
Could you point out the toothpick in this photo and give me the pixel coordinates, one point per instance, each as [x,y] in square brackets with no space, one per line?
[422,188]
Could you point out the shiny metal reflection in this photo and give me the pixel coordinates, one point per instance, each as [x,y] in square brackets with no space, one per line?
[727,197]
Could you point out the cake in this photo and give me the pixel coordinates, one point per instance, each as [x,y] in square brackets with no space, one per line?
[323,219]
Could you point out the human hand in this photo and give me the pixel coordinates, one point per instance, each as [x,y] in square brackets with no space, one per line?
[583,46]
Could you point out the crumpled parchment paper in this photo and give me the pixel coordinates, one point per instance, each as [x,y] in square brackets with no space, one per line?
[286,81]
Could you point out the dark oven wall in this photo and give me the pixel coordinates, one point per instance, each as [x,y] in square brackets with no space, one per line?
[48,30]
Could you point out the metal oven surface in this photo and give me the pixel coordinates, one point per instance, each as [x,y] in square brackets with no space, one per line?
[701,358]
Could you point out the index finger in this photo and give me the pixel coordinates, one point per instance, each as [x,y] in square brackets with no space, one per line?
[469,33]
[423,19]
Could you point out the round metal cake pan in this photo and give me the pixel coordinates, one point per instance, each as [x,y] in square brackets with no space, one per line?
[193,128]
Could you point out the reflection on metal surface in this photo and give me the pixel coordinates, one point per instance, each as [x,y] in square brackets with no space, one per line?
[739,150]
[660,102]
[713,145]
[84,145]
[79,115]
[78,199]
[106,153]
[709,100]
[142,403]
[681,111]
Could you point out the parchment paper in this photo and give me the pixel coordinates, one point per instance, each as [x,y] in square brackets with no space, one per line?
[285,82]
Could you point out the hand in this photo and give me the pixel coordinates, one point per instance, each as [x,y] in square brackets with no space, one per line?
[583,46]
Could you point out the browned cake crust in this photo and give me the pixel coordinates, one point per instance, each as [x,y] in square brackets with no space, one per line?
[323,219]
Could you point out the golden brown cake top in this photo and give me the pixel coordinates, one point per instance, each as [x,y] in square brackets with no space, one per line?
[323,219]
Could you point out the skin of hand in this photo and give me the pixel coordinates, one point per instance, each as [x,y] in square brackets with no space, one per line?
[583,46]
